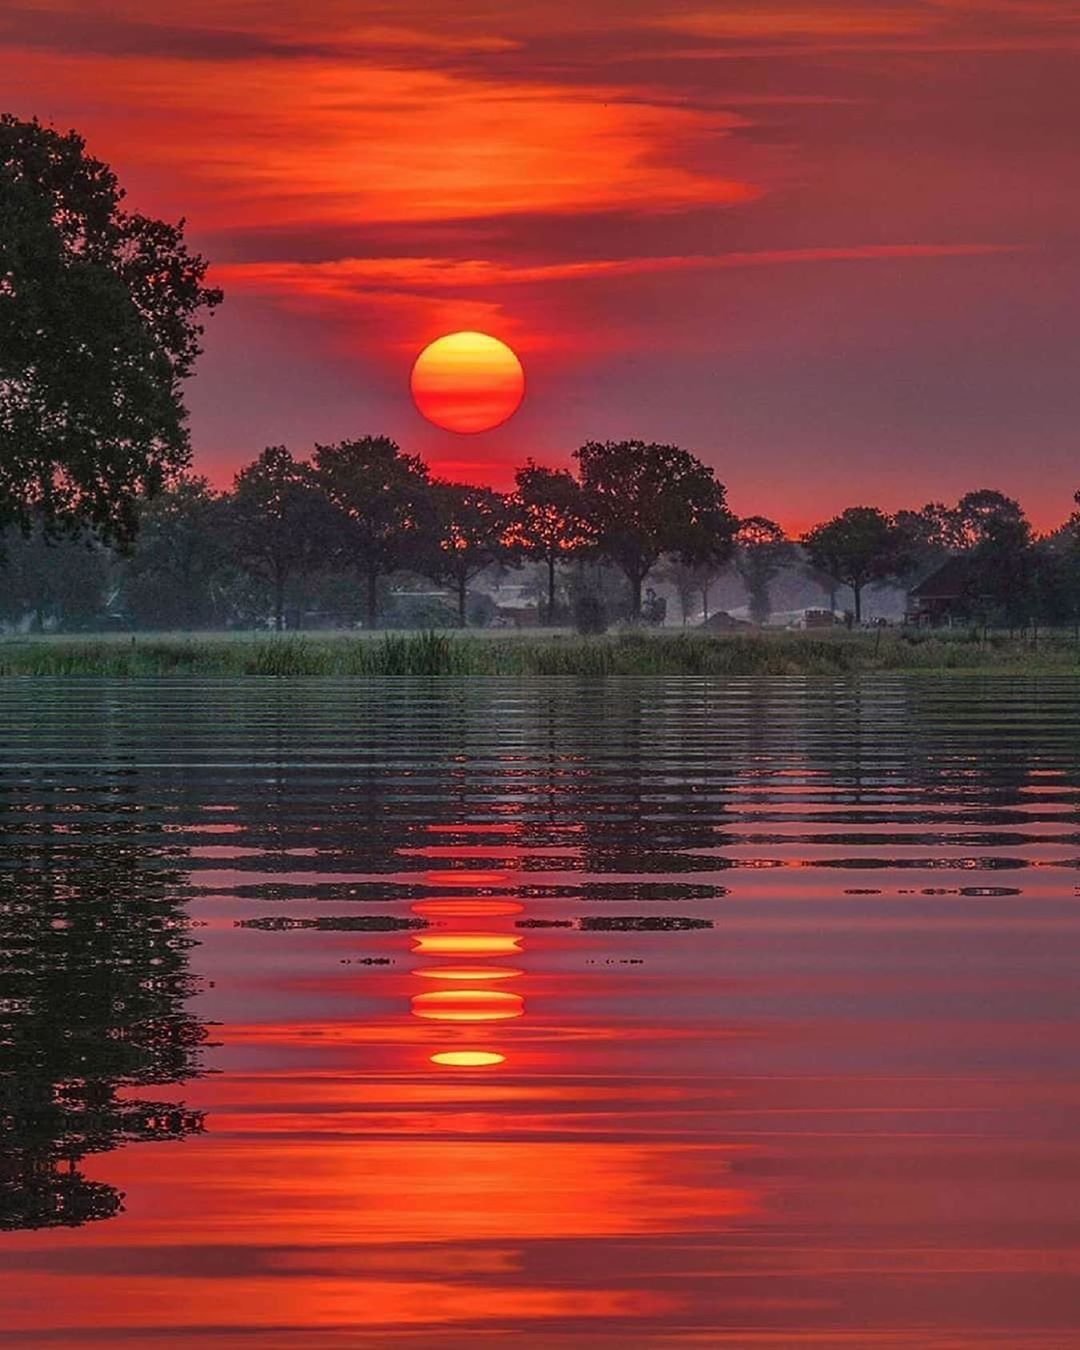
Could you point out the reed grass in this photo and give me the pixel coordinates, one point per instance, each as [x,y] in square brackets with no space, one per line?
[628,654]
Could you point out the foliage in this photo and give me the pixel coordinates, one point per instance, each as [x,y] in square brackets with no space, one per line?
[632,654]
[549,522]
[860,545]
[98,330]
[54,582]
[177,577]
[279,522]
[645,500]
[762,551]
[471,525]
[384,510]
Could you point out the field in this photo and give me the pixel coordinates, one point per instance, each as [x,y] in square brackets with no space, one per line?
[556,653]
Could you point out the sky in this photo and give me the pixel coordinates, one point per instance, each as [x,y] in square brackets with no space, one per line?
[832,248]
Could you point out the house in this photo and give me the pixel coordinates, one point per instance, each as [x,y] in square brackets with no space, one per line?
[942,597]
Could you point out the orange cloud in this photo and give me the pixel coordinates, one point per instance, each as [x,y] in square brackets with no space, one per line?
[324,141]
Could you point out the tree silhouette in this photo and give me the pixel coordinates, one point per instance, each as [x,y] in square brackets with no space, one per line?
[279,522]
[98,331]
[644,500]
[176,576]
[762,551]
[385,511]
[987,514]
[471,532]
[549,523]
[860,545]
[95,974]
[64,581]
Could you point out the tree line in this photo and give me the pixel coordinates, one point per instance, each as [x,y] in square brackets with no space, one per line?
[361,532]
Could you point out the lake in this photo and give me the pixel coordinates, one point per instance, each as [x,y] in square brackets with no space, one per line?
[621,1013]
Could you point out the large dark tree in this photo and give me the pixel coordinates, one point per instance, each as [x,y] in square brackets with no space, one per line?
[860,545]
[549,523]
[644,500]
[98,330]
[385,511]
[762,551]
[471,529]
[279,522]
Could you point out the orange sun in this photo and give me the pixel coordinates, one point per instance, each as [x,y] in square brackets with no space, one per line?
[467,382]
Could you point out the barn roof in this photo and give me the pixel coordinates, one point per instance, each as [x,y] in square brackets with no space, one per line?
[949,582]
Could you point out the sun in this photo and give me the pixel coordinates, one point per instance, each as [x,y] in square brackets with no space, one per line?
[467,382]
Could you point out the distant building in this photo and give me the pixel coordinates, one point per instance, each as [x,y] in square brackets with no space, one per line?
[941,598]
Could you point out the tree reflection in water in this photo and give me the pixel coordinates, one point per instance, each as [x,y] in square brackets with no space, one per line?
[93,955]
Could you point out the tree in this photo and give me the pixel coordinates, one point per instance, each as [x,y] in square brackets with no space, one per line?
[385,511]
[860,545]
[934,532]
[1002,573]
[176,576]
[472,526]
[279,522]
[98,330]
[988,515]
[95,1014]
[60,581]
[549,522]
[762,551]
[644,500]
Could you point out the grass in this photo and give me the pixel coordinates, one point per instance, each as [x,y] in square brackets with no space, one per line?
[643,653]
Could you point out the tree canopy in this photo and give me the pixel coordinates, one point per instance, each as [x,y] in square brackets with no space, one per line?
[99,327]
[647,499]
[860,545]
[471,529]
[384,510]
[762,551]
[279,522]
[549,522]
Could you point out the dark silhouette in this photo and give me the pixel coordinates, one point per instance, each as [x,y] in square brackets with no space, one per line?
[95,974]
[549,524]
[762,551]
[52,581]
[280,522]
[471,532]
[645,500]
[860,545]
[175,578]
[98,330]
[384,510]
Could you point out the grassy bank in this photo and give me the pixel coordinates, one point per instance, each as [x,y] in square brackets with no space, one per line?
[664,653]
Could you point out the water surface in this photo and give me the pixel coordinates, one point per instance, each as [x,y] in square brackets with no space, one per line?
[552,1013]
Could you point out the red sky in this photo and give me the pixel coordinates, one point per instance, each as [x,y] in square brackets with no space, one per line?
[831,247]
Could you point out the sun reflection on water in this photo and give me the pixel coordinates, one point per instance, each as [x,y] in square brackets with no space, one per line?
[463,928]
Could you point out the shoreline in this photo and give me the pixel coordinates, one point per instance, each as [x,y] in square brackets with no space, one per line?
[664,653]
